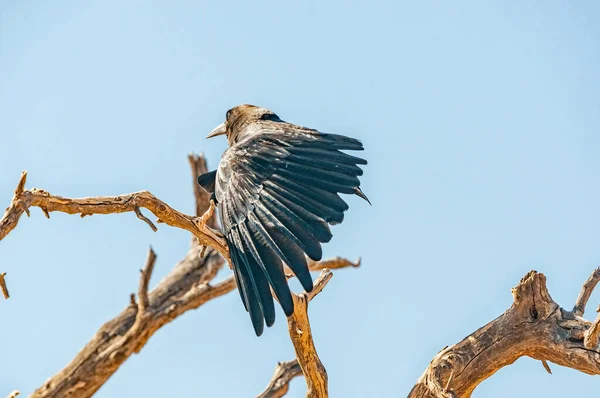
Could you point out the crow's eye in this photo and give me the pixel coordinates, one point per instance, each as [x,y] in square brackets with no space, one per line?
[270,116]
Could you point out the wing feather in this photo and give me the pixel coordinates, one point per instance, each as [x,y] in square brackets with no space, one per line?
[278,191]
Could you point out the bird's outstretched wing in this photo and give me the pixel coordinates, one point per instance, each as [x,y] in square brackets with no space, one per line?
[277,192]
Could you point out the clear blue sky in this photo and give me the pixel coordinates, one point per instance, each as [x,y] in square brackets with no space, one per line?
[481,124]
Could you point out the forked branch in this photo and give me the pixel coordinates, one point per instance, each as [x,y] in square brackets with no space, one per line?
[24,199]
[280,382]
[301,335]
[188,286]
[3,286]
[534,326]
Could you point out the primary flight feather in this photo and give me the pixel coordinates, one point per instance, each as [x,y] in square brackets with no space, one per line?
[277,190]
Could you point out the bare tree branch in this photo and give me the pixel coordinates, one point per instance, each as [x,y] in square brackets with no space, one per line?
[591,336]
[186,287]
[546,366]
[334,263]
[280,382]
[146,273]
[534,326]
[23,199]
[586,292]
[301,335]
[13,394]
[139,215]
[3,285]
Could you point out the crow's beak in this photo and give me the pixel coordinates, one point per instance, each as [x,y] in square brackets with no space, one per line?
[219,130]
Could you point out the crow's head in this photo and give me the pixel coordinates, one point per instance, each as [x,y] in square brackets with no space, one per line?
[237,120]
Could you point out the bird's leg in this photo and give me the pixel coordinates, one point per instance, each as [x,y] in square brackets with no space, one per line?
[203,219]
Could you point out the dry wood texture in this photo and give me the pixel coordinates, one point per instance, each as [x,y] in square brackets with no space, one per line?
[280,382]
[133,202]
[534,326]
[3,286]
[188,286]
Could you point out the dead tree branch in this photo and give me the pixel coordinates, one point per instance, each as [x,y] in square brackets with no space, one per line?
[586,292]
[593,334]
[534,326]
[24,199]
[301,335]
[280,382]
[188,286]
[3,285]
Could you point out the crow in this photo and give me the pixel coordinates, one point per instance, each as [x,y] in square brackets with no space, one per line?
[277,189]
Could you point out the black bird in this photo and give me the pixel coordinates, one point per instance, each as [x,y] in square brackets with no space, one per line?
[277,191]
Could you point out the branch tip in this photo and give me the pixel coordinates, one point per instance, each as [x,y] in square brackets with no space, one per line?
[146,273]
[320,283]
[282,376]
[300,333]
[546,366]
[586,291]
[592,335]
[3,286]
[145,219]
[21,185]
[24,207]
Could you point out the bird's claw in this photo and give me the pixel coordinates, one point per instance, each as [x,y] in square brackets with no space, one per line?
[203,219]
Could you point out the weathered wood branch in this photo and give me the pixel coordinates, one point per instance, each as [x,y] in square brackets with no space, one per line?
[301,335]
[280,382]
[307,360]
[23,199]
[186,287]
[586,292]
[534,326]
[3,286]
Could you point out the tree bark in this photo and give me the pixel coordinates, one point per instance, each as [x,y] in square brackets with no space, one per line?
[534,326]
[188,286]
[280,383]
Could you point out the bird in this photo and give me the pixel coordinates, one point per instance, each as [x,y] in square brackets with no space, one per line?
[277,190]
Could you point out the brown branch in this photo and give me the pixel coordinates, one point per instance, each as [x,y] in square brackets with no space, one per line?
[593,334]
[301,335]
[546,366]
[13,394]
[23,199]
[586,292]
[534,326]
[138,213]
[334,263]
[186,287]
[280,382]
[146,273]
[3,285]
